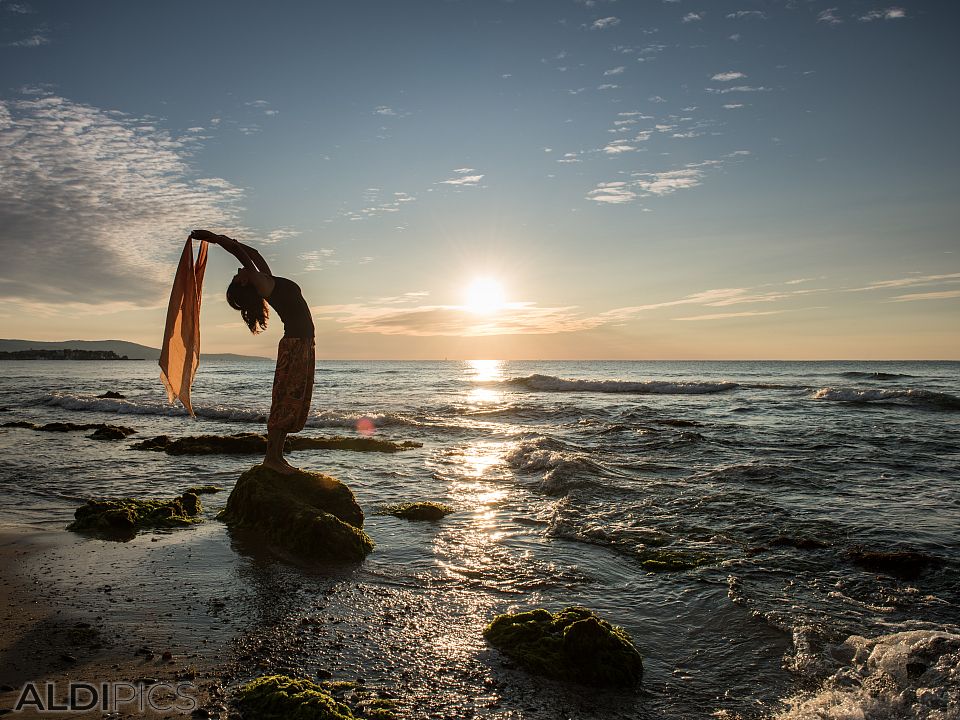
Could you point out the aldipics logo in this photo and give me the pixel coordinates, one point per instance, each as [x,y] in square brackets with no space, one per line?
[107,697]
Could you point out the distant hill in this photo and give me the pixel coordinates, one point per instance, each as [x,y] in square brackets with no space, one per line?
[120,347]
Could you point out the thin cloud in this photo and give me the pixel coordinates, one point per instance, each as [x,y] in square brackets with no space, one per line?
[692,17]
[605,23]
[909,281]
[41,36]
[464,179]
[728,76]
[738,89]
[940,295]
[615,71]
[751,14]
[94,205]
[891,13]
[727,316]
[314,260]
[384,110]
[830,17]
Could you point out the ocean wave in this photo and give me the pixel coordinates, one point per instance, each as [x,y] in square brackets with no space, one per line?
[562,469]
[223,413]
[549,383]
[874,375]
[914,674]
[909,396]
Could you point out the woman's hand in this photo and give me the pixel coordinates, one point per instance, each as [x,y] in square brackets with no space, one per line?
[208,236]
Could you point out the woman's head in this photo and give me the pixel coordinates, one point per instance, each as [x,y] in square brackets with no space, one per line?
[243,296]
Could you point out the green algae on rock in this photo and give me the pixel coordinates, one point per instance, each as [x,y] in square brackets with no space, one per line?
[120,518]
[573,645]
[204,489]
[306,513]
[666,560]
[254,443]
[418,510]
[278,697]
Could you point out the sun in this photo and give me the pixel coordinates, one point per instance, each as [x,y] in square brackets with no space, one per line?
[485,295]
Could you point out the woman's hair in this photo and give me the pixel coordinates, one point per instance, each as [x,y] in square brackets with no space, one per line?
[252,307]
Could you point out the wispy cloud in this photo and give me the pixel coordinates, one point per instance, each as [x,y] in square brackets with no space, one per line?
[912,280]
[41,36]
[317,259]
[891,13]
[727,316]
[384,110]
[692,17]
[939,295]
[605,23]
[464,178]
[728,76]
[95,205]
[615,71]
[829,16]
[738,89]
[752,14]
[407,314]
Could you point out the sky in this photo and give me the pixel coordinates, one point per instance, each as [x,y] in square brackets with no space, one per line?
[526,179]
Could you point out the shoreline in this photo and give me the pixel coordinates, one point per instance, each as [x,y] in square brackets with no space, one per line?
[53,637]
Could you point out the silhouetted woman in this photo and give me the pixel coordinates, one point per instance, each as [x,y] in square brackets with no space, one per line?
[249,292]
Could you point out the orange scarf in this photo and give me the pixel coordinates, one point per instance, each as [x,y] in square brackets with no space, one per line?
[180,354]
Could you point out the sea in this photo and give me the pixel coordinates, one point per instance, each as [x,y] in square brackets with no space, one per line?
[777,481]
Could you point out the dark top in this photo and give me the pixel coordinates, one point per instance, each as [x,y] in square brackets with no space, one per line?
[293,310]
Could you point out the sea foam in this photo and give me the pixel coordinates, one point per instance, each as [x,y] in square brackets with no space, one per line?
[914,674]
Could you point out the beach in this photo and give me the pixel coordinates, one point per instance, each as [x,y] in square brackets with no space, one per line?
[741,521]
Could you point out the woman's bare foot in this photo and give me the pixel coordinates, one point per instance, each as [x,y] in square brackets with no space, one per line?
[279,466]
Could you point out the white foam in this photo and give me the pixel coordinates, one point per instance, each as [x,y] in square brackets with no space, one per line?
[913,674]
[549,383]
[561,469]
[227,413]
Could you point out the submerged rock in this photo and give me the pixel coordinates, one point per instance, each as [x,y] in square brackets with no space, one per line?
[112,395]
[667,560]
[104,431]
[254,444]
[573,645]
[120,518]
[204,489]
[418,510]
[309,514]
[903,564]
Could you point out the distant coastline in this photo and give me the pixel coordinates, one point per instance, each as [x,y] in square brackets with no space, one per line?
[104,350]
[64,354]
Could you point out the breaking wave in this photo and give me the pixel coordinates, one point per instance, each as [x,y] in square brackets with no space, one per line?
[549,383]
[914,674]
[874,375]
[562,469]
[909,396]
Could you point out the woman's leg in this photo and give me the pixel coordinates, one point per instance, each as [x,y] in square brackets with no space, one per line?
[292,390]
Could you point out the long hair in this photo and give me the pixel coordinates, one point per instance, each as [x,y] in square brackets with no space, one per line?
[252,307]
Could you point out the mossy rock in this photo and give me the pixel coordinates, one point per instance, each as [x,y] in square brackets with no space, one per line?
[256,444]
[278,697]
[204,489]
[667,560]
[308,514]
[120,518]
[418,510]
[572,645]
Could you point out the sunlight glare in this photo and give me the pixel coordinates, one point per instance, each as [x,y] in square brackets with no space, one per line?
[485,296]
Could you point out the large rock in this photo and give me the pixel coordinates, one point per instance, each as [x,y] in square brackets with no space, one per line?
[573,645]
[309,514]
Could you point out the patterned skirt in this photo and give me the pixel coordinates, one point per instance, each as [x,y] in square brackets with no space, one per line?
[292,384]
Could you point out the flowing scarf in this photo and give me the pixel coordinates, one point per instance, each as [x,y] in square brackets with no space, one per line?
[180,353]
